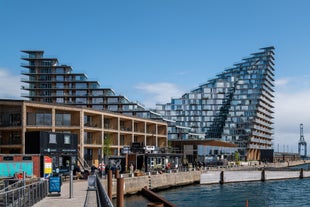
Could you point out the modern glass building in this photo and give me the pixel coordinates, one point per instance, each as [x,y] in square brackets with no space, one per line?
[236,106]
[50,82]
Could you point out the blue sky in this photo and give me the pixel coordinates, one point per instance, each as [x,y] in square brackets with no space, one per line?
[152,50]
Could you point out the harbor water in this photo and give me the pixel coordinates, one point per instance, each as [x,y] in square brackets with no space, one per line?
[279,193]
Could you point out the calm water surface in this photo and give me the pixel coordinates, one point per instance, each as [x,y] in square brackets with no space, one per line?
[283,193]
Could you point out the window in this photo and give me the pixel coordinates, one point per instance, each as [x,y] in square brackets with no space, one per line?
[39,119]
[52,139]
[81,93]
[59,70]
[59,100]
[63,119]
[59,78]
[81,100]
[67,139]
[81,85]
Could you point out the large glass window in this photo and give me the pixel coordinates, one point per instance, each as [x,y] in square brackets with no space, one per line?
[97,93]
[112,100]
[39,119]
[59,93]
[81,93]
[59,78]
[59,85]
[59,100]
[63,119]
[59,70]
[112,107]
[81,85]
[81,100]
[97,100]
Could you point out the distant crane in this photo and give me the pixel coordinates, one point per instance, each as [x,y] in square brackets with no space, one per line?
[302,141]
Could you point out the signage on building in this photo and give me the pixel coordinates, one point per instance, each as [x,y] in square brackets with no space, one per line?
[48,166]
[48,143]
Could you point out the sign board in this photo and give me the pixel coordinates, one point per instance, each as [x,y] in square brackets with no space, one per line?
[48,143]
[48,166]
[55,184]
[8,169]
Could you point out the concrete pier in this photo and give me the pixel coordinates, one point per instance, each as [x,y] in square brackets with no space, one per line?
[214,177]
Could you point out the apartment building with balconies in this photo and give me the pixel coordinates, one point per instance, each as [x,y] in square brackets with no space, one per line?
[92,127]
[48,81]
[236,106]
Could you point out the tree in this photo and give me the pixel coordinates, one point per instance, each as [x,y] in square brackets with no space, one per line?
[106,146]
[237,157]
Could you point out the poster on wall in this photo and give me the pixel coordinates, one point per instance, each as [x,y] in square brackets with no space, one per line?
[48,166]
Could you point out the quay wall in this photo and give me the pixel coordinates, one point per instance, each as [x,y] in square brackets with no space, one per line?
[213,177]
[243,173]
[158,181]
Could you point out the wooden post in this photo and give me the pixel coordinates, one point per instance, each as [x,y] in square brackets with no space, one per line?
[110,184]
[263,177]
[120,192]
[222,178]
[301,175]
[246,203]
[116,174]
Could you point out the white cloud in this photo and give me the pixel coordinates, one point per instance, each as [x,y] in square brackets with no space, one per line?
[9,85]
[292,107]
[158,93]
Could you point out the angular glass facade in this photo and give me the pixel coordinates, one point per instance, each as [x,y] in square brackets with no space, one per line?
[236,106]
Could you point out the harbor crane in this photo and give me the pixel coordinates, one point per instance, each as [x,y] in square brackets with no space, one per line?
[302,141]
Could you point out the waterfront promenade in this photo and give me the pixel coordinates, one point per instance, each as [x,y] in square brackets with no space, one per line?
[78,199]
[165,180]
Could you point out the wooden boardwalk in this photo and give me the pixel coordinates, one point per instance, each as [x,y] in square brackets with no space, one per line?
[64,200]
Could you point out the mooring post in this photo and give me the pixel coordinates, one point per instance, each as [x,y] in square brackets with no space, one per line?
[222,177]
[263,177]
[301,175]
[116,174]
[120,192]
[110,184]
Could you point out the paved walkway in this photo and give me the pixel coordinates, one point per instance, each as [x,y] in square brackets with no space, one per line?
[78,199]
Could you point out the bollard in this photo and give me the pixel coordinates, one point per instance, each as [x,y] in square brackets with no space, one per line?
[120,192]
[155,204]
[301,175]
[117,174]
[71,184]
[222,178]
[109,181]
[263,177]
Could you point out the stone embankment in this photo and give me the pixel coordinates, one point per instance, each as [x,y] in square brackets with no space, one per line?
[248,172]
[157,181]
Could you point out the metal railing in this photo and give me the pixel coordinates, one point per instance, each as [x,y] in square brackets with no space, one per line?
[103,197]
[26,195]
[95,189]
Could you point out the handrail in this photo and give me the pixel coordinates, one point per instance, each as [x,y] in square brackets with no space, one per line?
[14,185]
[26,195]
[104,199]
